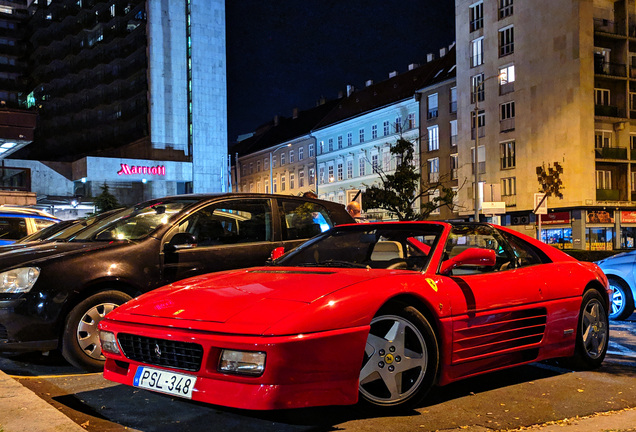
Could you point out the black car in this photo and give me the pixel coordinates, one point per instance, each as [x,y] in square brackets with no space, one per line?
[54,294]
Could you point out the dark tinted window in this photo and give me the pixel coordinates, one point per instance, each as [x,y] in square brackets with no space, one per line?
[525,254]
[230,222]
[12,228]
[302,220]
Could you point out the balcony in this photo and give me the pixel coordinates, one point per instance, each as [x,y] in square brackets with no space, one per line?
[608,27]
[608,111]
[507,125]
[510,200]
[610,69]
[611,153]
[482,168]
[506,88]
[607,194]
[482,132]
[432,113]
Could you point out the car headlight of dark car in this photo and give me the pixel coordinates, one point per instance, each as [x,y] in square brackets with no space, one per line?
[19,280]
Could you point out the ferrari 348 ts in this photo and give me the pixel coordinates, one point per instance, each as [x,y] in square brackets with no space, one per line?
[376,313]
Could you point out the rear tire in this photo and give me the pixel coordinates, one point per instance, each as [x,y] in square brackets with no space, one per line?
[592,334]
[621,300]
[400,361]
[80,340]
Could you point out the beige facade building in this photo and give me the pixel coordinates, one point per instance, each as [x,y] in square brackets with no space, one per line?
[551,81]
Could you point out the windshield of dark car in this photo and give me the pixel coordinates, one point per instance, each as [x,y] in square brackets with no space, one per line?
[134,223]
[387,246]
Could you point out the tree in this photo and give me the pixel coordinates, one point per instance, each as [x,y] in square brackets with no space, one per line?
[105,201]
[400,190]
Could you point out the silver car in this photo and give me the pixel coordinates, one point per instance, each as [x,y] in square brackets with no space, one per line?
[620,272]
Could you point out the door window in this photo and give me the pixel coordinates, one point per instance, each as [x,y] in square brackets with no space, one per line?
[464,237]
[524,253]
[12,228]
[42,223]
[303,220]
[230,222]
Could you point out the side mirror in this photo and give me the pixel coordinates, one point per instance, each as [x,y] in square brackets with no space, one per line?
[181,241]
[471,256]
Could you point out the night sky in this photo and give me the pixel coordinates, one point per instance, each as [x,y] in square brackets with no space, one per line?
[283,54]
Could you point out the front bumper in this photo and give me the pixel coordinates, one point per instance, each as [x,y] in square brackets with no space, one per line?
[28,324]
[300,370]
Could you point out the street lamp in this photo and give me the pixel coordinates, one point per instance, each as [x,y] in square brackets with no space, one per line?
[476,156]
[271,167]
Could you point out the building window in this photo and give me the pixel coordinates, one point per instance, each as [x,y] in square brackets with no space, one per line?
[601,96]
[433,170]
[291,156]
[453,100]
[361,135]
[481,124]
[505,8]
[432,197]
[349,169]
[634,182]
[251,187]
[433,138]
[411,121]
[507,151]
[374,131]
[340,173]
[311,150]
[603,179]
[282,183]
[251,168]
[321,147]
[386,128]
[476,16]
[258,187]
[282,159]
[632,142]
[453,133]
[258,166]
[362,165]
[267,185]
[398,124]
[481,159]
[506,41]
[312,175]
[454,160]
[507,116]
[432,107]
[386,159]
[273,161]
[301,179]
[275,186]
[321,175]
[374,162]
[602,139]
[339,141]
[244,170]
[476,88]
[301,153]
[330,173]
[509,186]
[349,139]
[291,180]
[477,52]
[506,79]
[341,199]
[330,144]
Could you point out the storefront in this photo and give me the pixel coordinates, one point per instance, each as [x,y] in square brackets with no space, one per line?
[599,230]
[556,229]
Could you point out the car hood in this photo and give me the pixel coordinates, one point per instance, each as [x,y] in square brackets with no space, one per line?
[256,297]
[34,254]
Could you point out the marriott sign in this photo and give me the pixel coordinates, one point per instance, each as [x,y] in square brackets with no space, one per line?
[129,170]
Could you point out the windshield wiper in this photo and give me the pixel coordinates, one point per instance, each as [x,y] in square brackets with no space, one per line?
[333,263]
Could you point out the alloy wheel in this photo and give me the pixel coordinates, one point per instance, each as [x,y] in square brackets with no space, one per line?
[594,329]
[88,332]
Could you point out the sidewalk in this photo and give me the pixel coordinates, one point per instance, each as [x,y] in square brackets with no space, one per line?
[613,421]
[21,410]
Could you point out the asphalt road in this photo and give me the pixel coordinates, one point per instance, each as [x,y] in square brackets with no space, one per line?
[518,397]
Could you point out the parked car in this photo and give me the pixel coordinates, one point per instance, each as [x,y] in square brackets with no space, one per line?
[53,294]
[620,273]
[19,222]
[377,312]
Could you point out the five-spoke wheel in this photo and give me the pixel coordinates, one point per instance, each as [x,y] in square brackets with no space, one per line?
[622,300]
[592,333]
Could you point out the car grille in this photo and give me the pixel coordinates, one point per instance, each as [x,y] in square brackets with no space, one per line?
[161,352]
[3,333]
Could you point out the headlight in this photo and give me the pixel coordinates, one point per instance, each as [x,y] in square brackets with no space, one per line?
[109,343]
[242,362]
[19,280]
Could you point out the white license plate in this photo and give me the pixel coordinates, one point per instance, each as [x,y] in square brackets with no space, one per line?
[164,381]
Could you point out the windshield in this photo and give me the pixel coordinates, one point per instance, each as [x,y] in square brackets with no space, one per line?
[47,232]
[385,246]
[134,223]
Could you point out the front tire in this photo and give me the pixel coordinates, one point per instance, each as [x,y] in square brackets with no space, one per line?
[621,301]
[592,335]
[80,340]
[400,361]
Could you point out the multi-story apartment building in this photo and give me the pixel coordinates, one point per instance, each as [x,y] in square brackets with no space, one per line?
[131,93]
[280,157]
[438,129]
[565,67]
[355,139]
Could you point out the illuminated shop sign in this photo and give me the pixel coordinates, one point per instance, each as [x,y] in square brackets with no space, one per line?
[129,170]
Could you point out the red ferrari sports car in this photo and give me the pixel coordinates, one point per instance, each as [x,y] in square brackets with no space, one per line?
[376,312]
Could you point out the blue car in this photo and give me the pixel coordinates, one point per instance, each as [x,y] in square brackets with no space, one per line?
[19,222]
[619,269]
